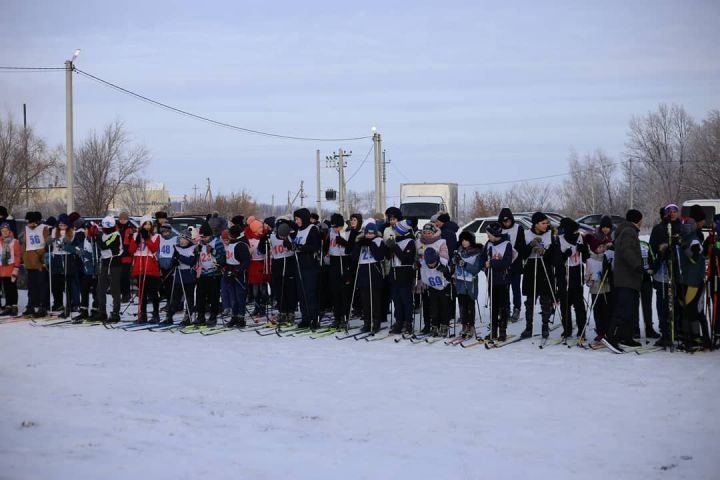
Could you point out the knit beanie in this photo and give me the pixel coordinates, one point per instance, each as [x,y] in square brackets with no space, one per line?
[538,217]
[633,216]
[431,256]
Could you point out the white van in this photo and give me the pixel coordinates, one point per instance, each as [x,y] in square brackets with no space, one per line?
[711,206]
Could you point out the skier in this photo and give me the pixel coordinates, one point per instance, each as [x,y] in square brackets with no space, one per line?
[692,278]
[211,259]
[340,277]
[517,239]
[539,253]
[430,238]
[9,267]
[63,265]
[598,277]
[127,231]
[168,240]
[184,260]
[467,263]
[711,247]
[91,255]
[33,243]
[436,276]
[369,251]
[284,271]
[146,269]
[646,292]
[256,237]
[628,272]
[497,261]
[401,253]
[237,261]
[306,244]
[111,270]
[573,254]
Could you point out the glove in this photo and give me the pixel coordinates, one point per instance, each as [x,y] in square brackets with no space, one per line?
[662,247]
[341,241]
[442,268]
[535,242]
[175,259]
[390,242]
[145,234]
[538,250]
[287,244]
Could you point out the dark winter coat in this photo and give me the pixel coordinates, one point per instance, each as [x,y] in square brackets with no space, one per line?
[463,262]
[628,272]
[500,265]
[369,274]
[519,243]
[539,276]
[448,232]
[403,275]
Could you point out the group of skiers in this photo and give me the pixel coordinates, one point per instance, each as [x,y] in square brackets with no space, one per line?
[374,268]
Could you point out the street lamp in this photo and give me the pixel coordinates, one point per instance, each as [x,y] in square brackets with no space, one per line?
[69,130]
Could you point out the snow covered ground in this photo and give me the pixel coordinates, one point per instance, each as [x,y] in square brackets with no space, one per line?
[89,403]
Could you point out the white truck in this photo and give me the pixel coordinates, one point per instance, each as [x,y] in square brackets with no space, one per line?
[423,200]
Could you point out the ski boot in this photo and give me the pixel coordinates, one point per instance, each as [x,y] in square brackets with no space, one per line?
[545,329]
[40,313]
[9,311]
[409,329]
[156,317]
[28,312]
[528,332]
[80,316]
[443,330]
[515,315]
[502,334]
[186,321]
[212,321]
[427,329]
[650,332]
[168,319]
[114,317]
[397,328]
[199,321]
[141,319]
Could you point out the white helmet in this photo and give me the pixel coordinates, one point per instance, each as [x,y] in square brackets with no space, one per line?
[108,222]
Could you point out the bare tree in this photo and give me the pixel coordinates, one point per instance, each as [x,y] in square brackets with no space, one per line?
[16,168]
[236,203]
[487,204]
[104,163]
[661,142]
[592,185]
[705,176]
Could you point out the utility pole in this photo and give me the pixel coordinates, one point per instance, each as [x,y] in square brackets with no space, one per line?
[377,145]
[383,196]
[208,192]
[337,160]
[25,153]
[272,205]
[632,184]
[318,201]
[302,193]
[195,187]
[69,67]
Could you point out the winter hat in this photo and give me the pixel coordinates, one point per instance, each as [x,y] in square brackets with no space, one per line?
[429,227]
[283,230]
[51,221]
[123,216]
[270,222]
[697,213]
[634,216]
[402,227]
[237,220]
[315,216]
[337,220]
[73,218]
[159,215]
[670,207]
[594,243]
[63,218]
[5,225]
[568,225]
[393,212]
[108,222]
[494,229]
[79,223]
[469,236]
[431,256]
[371,227]
[145,219]
[304,215]
[538,217]
[215,223]
[205,230]
[3,212]
[443,217]
[33,217]
[165,226]
[256,226]
[506,214]
[606,221]
[235,231]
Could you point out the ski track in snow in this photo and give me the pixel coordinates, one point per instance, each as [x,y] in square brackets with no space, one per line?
[88,403]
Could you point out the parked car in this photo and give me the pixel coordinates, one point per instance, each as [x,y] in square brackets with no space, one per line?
[593,219]
[525,219]
[478,226]
[710,206]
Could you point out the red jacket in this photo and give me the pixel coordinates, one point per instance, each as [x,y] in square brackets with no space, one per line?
[144,254]
[14,261]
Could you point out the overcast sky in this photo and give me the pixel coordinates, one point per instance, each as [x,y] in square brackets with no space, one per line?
[470,92]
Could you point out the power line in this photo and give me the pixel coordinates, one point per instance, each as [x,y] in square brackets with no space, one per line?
[361,164]
[30,69]
[400,172]
[210,120]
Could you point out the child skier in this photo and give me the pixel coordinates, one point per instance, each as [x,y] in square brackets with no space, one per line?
[369,251]
[340,276]
[237,262]
[146,269]
[168,240]
[573,254]
[467,264]
[435,276]
[429,238]
[209,270]
[111,249]
[36,237]
[255,235]
[63,265]
[498,260]
[598,276]
[284,271]
[184,261]
[9,267]
[401,253]
[306,244]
